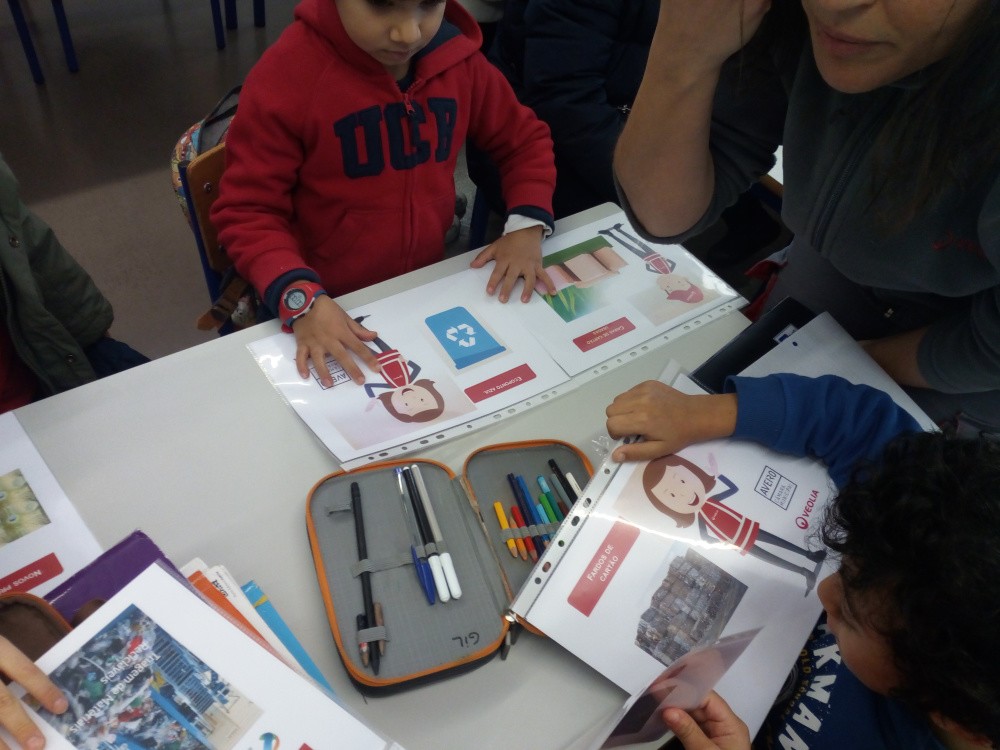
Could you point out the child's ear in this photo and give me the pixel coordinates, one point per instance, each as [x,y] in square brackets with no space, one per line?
[960,736]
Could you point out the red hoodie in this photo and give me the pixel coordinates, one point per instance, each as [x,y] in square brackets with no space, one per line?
[324,176]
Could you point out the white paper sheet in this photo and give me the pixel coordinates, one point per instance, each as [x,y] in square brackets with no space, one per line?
[43,540]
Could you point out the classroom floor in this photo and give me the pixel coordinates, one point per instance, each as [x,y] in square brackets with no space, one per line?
[92,149]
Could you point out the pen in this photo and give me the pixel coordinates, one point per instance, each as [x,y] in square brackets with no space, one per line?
[539,515]
[564,502]
[379,622]
[563,482]
[420,564]
[524,510]
[529,545]
[423,525]
[574,484]
[447,564]
[366,582]
[558,512]
[550,512]
[502,520]
[362,624]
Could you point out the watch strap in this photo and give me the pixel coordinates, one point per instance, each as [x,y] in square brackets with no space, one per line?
[310,289]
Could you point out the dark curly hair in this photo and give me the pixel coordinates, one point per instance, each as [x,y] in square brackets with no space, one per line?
[919,530]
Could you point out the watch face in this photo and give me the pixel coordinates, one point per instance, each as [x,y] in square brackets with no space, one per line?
[295,299]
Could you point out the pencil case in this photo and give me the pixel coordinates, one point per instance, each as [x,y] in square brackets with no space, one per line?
[31,624]
[418,641]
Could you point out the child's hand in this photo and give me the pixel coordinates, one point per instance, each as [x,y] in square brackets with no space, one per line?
[667,419]
[518,254]
[711,726]
[13,717]
[327,329]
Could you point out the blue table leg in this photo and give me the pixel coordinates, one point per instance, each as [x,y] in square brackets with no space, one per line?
[25,34]
[231,22]
[220,35]
[67,40]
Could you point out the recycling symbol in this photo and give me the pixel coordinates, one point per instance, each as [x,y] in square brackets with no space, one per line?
[467,331]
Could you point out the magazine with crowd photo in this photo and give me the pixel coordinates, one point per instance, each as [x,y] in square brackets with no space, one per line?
[157,667]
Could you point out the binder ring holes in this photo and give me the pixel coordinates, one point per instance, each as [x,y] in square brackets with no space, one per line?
[546,566]
[586,502]
[575,521]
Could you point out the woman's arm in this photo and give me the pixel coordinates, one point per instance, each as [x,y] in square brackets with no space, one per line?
[662,160]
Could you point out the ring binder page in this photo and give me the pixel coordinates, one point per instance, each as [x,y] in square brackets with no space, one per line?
[452,359]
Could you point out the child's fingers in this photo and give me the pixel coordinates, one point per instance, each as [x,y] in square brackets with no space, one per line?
[362,352]
[543,276]
[529,286]
[483,257]
[13,717]
[687,731]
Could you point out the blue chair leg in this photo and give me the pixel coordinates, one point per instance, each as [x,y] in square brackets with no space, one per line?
[67,40]
[258,13]
[220,35]
[231,21]
[25,34]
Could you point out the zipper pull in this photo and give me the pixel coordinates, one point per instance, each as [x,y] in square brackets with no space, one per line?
[408,103]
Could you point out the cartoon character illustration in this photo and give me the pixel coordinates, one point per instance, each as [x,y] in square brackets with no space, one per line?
[406,398]
[679,288]
[676,286]
[683,491]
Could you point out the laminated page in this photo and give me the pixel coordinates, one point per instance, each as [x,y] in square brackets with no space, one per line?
[43,539]
[449,356]
[615,291]
[681,570]
[157,667]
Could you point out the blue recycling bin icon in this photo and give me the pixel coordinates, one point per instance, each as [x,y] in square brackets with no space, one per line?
[462,337]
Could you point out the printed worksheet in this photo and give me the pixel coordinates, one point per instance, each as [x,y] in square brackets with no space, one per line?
[43,540]
[615,291]
[448,355]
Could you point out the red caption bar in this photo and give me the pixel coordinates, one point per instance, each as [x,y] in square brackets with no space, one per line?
[502,382]
[604,334]
[603,566]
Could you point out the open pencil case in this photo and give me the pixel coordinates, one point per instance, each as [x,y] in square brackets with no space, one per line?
[424,641]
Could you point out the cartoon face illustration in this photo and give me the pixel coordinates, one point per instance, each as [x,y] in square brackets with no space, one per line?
[679,288]
[418,401]
[679,489]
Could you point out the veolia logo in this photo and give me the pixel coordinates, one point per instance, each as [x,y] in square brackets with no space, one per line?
[269,741]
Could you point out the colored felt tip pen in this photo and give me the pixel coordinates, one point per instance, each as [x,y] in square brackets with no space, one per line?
[504,526]
[447,564]
[420,565]
[529,544]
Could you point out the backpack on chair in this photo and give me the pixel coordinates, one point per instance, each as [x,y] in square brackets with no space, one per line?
[196,167]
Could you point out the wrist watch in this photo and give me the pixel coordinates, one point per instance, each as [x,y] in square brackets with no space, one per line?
[297,300]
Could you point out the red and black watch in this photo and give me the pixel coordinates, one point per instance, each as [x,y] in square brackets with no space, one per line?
[298,299]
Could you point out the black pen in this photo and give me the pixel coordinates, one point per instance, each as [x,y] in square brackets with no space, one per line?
[366,583]
[564,483]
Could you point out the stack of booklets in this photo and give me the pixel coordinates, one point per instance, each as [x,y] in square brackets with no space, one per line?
[156,666]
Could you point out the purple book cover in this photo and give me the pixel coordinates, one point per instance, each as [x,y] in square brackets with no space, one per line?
[108,574]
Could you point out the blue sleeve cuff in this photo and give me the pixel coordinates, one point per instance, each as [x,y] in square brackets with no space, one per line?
[272,295]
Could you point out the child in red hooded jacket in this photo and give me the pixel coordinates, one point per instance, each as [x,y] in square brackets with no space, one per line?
[341,160]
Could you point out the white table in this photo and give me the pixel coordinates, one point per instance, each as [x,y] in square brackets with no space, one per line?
[200,452]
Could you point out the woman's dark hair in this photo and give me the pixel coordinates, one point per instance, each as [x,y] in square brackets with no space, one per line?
[918,531]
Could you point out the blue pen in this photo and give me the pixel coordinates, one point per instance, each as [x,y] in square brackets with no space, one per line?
[526,510]
[551,497]
[420,563]
[540,518]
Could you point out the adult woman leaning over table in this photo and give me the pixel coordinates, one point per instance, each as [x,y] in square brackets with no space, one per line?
[887,111]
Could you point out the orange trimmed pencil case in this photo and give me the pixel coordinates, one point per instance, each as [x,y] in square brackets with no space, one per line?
[418,641]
